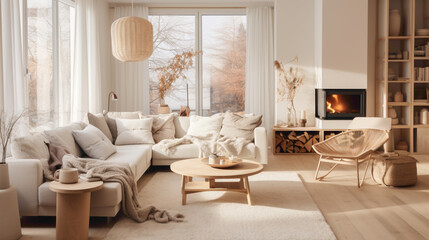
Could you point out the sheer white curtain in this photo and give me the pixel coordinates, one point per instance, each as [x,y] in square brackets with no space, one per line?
[260,89]
[130,80]
[12,67]
[86,75]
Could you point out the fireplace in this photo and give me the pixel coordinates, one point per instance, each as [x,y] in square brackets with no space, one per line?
[340,104]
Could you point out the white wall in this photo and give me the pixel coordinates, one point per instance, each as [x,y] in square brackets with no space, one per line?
[331,39]
[343,49]
[294,36]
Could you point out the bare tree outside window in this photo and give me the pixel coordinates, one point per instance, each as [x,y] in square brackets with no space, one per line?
[172,35]
[41,92]
[224,61]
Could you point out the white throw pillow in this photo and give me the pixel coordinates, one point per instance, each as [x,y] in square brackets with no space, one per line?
[63,137]
[30,147]
[204,126]
[94,143]
[134,131]
[163,127]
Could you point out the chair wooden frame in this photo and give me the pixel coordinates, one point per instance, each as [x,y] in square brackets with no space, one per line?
[337,159]
[344,161]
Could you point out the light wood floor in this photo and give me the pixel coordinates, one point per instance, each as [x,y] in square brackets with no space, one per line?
[372,212]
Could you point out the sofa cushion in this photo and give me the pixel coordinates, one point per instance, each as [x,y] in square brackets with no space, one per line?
[30,147]
[137,156]
[111,122]
[239,126]
[98,121]
[182,125]
[204,126]
[192,151]
[134,131]
[63,137]
[110,195]
[94,143]
[163,127]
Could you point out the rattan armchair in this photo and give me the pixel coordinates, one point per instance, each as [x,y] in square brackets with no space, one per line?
[353,147]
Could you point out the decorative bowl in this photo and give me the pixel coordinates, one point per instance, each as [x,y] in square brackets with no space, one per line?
[222,162]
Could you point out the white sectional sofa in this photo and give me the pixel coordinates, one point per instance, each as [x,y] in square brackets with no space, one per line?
[35,198]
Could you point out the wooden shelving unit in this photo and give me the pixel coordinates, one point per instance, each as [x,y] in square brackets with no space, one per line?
[414,15]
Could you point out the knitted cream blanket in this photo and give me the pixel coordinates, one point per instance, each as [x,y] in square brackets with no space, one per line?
[121,173]
[209,144]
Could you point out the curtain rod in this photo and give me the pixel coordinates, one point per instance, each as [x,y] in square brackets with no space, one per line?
[194,5]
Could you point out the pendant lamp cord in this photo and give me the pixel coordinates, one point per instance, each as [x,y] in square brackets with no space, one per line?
[132,8]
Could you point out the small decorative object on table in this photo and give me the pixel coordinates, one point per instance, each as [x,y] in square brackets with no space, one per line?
[290,79]
[222,161]
[303,119]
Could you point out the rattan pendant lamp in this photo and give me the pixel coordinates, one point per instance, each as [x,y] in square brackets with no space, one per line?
[132,38]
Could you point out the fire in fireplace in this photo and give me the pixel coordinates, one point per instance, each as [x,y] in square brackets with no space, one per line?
[340,103]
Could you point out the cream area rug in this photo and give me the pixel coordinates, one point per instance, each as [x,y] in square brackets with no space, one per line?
[282,209]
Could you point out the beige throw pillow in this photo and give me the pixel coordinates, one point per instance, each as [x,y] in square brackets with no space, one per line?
[134,131]
[63,137]
[98,121]
[111,122]
[94,143]
[30,147]
[163,127]
[235,125]
[204,126]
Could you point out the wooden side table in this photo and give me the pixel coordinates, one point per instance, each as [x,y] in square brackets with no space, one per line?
[73,203]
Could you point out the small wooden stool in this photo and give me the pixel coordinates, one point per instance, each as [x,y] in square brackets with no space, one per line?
[395,171]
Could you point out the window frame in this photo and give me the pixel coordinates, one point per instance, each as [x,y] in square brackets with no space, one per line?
[55,51]
[198,13]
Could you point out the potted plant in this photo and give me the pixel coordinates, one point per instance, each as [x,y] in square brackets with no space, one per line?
[174,69]
[7,125]
[289,80]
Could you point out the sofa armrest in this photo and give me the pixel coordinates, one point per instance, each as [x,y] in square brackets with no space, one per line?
[261,145]
[26,175]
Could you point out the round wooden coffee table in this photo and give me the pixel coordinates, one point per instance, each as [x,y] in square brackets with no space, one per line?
[190,168]
[73,202]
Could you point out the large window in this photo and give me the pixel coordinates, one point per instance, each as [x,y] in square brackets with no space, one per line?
[50,34]
[216,83]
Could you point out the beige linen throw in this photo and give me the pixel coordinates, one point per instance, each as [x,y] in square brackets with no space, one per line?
[209,144]
[121,173]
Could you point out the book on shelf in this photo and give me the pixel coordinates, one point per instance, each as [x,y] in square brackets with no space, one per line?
[421,74]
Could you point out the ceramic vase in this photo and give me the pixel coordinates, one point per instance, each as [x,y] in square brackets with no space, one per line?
[399,97]
[394,22]
[291,116]
[4,176]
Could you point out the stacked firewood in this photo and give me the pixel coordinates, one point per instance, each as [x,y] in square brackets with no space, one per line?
[293,142]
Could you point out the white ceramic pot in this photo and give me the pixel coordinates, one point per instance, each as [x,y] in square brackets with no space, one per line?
[394,22]
[4,176]
[424,116]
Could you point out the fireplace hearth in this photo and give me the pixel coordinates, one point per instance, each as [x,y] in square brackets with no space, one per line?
[340,104]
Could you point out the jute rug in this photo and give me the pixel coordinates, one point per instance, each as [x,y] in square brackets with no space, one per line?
[282,209]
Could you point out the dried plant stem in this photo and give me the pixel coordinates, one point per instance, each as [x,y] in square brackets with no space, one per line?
[7,125]
[175,69]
